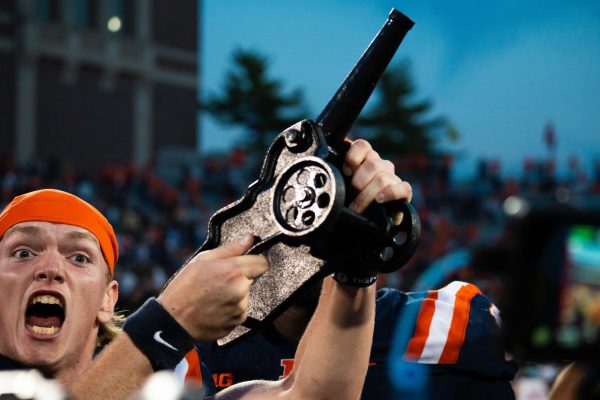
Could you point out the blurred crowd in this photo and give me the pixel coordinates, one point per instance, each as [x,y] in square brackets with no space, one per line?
[161,222]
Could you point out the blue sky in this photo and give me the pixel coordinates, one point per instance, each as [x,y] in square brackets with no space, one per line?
[500,71]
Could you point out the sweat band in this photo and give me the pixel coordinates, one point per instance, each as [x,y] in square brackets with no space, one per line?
[50,205]
[156,333]
[355,278]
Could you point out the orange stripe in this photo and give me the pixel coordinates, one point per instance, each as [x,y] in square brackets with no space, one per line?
[458,326]
[417,342]
[194,372]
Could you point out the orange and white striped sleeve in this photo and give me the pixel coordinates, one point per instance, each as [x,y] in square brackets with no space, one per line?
[441,324]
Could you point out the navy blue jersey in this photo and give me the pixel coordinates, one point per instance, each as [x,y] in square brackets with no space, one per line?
[7,364]
[454,334]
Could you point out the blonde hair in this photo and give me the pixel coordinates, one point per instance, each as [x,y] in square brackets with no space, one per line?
[108,331]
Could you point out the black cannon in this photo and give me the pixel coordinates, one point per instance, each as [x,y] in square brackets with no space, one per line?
[297,209]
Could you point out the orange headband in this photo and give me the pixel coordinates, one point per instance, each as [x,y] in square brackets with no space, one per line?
[52,205]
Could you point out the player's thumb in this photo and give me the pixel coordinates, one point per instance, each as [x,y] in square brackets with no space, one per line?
[229,249]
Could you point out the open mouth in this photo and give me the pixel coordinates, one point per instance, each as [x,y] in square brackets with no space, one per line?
[45,314]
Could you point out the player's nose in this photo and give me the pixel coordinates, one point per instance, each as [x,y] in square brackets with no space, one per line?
[50,270]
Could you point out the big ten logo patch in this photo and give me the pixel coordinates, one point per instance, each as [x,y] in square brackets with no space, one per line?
[288,365]
[223,380]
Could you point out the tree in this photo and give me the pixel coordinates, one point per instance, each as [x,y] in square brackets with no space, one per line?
[252,99]
[396,124]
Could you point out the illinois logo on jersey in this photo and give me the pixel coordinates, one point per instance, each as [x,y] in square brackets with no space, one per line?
[288,365]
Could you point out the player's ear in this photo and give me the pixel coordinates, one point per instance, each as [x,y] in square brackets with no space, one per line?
[109,300]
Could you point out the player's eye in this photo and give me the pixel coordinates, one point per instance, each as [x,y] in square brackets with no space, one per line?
[80,258]
[23,253]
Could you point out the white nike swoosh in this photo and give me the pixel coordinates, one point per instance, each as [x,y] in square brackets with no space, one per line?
[163,341]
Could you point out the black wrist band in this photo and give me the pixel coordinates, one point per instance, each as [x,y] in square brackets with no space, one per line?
[355,279]
[156,333]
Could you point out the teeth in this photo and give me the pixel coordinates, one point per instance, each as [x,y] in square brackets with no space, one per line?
[46,299]
[44,331]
